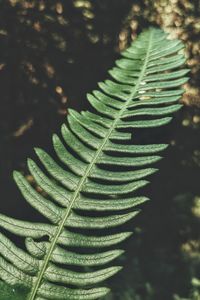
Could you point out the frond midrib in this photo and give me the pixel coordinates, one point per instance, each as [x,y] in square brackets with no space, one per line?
[61,225]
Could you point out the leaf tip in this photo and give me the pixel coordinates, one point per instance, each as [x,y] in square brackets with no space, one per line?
[55,138]
[38,151]
[16,174]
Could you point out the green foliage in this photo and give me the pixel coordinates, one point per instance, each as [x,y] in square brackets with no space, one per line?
[91,188]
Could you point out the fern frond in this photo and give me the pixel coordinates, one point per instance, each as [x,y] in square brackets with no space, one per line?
[96,172]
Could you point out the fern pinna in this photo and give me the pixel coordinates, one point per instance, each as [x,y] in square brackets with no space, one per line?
[102,172]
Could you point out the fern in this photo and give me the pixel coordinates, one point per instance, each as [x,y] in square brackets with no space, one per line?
[64,256]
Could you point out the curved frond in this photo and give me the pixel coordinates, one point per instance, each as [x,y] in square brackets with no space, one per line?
[92,184]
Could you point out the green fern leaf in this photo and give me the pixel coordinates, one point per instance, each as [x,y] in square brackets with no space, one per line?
[96,172]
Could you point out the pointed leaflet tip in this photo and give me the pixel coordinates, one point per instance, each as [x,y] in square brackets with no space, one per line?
[55,138]
[38,150]
[71,111]
[153,170]
[29,162]
[16,174]
[63,127]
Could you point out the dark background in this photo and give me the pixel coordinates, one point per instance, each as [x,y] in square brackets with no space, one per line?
[51,54]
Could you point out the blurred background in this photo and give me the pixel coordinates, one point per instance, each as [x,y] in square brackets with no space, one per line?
[51,54]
